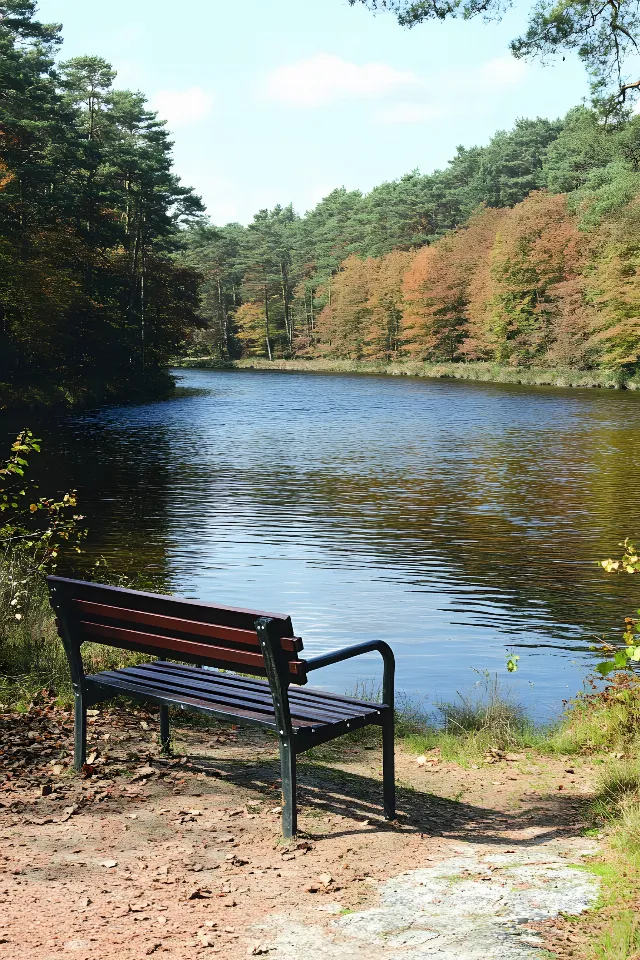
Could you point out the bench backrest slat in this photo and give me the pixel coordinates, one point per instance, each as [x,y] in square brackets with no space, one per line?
[104,613]
[185,630]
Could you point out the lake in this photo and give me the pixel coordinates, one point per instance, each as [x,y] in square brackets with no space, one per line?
[458,521]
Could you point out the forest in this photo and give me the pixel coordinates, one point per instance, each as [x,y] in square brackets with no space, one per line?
[92,298]
[524,251]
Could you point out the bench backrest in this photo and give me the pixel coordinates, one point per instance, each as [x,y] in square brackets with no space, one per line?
[185,630]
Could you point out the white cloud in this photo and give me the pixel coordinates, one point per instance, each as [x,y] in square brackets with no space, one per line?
[410,113]
[181,108]
[503,71]
[325,78]
[456,92]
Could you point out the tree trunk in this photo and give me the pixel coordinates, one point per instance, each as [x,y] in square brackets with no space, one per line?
[285,304]
[224,325]
[266,317]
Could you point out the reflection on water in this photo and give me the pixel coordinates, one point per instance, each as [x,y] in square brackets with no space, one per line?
[455,520]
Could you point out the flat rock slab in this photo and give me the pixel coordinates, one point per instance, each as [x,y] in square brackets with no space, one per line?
[475,906]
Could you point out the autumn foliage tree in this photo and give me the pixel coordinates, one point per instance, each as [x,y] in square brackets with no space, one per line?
[614,289]
[343,325]
[437,288]
[386,306]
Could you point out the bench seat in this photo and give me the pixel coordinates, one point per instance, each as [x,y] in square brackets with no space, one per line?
[232,697]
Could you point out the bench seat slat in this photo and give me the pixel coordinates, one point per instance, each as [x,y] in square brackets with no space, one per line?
[258,692]
[324,695]
[247,638]
[232,682]
[257,701]
[163,695]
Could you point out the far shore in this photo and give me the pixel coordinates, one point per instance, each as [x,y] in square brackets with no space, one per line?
[603,378]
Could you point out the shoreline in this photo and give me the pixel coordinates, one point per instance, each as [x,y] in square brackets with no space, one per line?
[83,395]
[479,371]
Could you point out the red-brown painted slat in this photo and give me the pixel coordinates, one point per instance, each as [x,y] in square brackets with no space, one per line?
[247,638]
[220,655]
[178,607]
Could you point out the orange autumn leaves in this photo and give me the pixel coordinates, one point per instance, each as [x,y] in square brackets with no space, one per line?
[517,286]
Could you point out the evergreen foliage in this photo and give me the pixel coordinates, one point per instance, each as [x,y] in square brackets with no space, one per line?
[89,211]
[521,252]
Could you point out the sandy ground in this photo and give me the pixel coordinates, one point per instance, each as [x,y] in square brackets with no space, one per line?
[182,856]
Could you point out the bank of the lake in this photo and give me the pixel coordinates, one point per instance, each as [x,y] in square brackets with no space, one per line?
[83,394]
[607,378]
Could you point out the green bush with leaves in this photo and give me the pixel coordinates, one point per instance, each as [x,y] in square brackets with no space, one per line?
[623,657]
[33,531]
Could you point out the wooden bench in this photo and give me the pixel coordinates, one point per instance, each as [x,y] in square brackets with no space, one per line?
[222,639]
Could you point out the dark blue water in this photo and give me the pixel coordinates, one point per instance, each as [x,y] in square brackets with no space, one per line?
[458,521]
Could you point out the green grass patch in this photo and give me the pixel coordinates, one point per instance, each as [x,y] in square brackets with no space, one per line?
[603,377]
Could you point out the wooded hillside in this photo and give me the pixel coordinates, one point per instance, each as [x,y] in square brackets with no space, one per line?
[526,250]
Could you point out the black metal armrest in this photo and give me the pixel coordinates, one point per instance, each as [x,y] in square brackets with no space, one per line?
[337,656]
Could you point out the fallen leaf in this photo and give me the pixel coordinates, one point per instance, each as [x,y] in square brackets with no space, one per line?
[257,950]
[144,772]
[138,907]
[200,894]
[68,812]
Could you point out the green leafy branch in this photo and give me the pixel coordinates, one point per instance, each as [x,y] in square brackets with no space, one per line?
[33,528]
[623,658]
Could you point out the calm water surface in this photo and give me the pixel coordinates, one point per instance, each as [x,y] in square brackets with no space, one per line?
[455,520]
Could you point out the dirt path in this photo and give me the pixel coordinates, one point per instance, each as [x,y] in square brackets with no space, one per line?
[182,857]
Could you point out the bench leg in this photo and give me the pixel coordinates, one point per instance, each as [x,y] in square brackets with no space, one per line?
[289,804]
[80,733]
[388,768]
[165,734]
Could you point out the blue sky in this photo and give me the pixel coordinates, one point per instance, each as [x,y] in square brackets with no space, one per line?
[282,100]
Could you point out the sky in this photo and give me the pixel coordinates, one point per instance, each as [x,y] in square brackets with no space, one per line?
[279,101]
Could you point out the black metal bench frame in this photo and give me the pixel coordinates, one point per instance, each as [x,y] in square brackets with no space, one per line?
[271,651]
